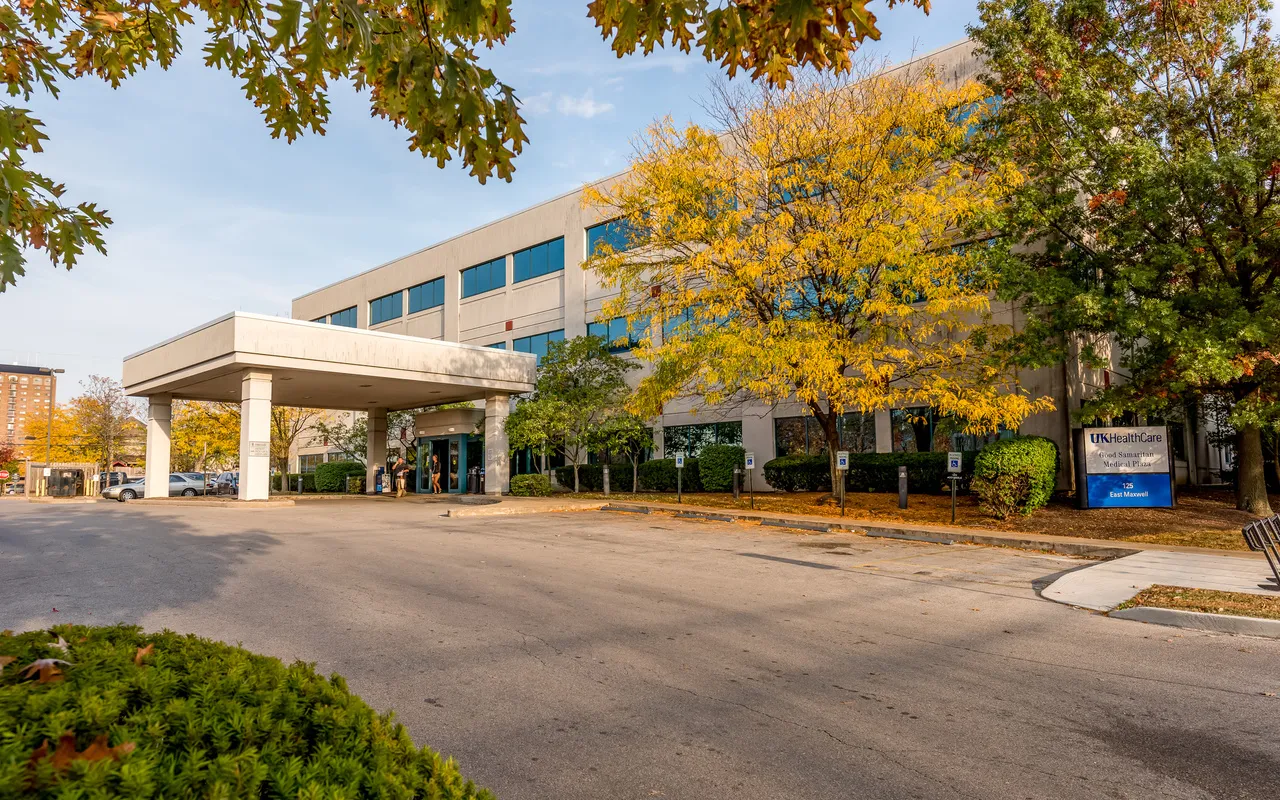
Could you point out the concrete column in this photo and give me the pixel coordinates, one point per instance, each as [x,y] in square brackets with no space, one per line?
[375,447]
[255,435]
[159,425]
[884,432]
[497,459]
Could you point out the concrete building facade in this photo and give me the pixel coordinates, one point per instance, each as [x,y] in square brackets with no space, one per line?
[26,394]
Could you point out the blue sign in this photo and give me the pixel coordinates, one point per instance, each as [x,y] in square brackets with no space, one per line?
[1134,490]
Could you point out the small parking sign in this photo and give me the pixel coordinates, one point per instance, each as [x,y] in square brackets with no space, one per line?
[751,460]
[679,460]
[953,461]
[842,459]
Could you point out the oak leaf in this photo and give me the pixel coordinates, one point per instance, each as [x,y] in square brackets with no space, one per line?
[46,668]
[66,751]
[6,661]
[142,653]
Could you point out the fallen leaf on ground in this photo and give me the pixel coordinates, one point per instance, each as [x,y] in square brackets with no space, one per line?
[61,644]
[47,668]
[66,751]
[6,661]
[142,653]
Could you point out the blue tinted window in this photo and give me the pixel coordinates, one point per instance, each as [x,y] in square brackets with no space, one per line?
[484,277]
[536,344]
[498,345]
[541,259]
[615,233]
[615,333]
[389,306]
[345,318]
[426,295]
[321,320]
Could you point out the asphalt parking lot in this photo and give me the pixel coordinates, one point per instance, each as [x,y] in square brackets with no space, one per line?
[602,655]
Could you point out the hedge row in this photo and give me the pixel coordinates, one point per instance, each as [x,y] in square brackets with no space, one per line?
[716,464]
[308,481]
[331,475]
[868,472]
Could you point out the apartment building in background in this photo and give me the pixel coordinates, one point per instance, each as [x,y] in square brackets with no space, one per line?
[26,394]
[517,283]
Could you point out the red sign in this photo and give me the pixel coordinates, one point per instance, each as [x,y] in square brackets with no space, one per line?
[3,474]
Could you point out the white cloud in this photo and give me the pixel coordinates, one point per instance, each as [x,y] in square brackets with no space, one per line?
[585,106]
[538,104]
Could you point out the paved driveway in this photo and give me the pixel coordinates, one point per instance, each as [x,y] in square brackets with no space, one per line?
[599,655]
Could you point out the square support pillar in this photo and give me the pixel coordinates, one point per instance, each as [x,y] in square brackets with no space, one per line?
[497,457]
[255,435]
[884,431]
[159,428]
[375,447]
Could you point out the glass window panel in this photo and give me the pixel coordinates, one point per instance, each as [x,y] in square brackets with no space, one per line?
[345,318]
[912,429]
[858,432]
[498,345]
[555,255]
[469,282]
[538,254]
[522,266]
[385,308]
[789,437]
[598,329]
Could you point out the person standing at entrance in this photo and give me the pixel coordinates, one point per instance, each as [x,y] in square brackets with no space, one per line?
[401,472]
[435,474]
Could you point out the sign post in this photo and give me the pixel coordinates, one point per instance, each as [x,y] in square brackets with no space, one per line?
[842,467]
[679,475]
[954,462]
[1128,467]
[751,465]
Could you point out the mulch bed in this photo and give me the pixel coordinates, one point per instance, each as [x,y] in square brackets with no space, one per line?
[1208,601]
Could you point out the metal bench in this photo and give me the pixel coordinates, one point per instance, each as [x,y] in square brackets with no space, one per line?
[1264,536]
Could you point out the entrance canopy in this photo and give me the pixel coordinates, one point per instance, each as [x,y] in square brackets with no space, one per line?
[323,366]
[259,361]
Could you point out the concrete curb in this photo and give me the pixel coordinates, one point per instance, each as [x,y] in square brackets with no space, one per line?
[178,502]
[507,508]
[65,501]
[1197,620]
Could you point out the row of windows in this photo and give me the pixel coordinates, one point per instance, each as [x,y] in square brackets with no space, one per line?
[690,439]
[346,318]
[803,436]
[913,430]
[426,295]
[541,259]
[387,307]
[484,277]
[616,334]
[536,344]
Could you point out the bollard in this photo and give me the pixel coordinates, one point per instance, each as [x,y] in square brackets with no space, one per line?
[606,480]
[902,487]
[737,483]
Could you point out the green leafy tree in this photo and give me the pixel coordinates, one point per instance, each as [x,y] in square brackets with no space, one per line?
[625,434]
[580,386]
[1150,136]
[419,62]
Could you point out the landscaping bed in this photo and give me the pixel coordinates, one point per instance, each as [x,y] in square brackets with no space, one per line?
[1203,518]
[1207,601]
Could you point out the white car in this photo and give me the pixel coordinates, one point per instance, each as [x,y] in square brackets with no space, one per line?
[180,485]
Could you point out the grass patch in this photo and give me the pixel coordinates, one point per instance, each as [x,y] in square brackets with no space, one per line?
[1203,517]
[1207,601]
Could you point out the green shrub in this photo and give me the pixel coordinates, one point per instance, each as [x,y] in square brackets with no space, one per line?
[1016,476]
[715,466]
[134,714]
[591,477]
[659,475]
[799,473]
[533,485]
[331,476]
[926,472]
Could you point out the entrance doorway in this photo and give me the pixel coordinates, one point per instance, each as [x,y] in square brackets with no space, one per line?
[444,457]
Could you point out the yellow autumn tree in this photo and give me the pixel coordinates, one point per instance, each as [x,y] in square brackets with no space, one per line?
[205,436]
[822,249]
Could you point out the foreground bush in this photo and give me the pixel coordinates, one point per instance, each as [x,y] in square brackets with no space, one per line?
[533,485]
[659,475]
[331,476]
[868,472]
[120,713]
[715,466]
[1016,476]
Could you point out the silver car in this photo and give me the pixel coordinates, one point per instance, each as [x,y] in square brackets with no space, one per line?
[180,485]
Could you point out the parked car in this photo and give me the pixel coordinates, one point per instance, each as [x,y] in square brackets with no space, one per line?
[227,483]
[180,485]
[201,478]
[17,488]
[109,479]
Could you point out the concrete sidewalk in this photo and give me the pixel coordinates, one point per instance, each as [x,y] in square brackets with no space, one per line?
[1102,587]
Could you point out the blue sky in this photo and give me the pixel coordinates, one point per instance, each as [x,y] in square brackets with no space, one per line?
[212,215]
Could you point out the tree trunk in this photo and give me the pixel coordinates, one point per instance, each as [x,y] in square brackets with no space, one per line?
[1251,479]
[635,475]
[575,476]
[830,424]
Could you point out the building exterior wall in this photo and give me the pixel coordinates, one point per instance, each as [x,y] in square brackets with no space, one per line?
[569,298]
[26,394]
